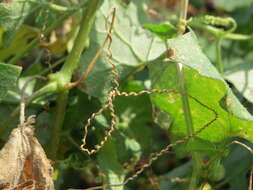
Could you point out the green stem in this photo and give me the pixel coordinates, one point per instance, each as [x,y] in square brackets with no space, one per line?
[233,36]
[196,171]
[35,42]
[183,16]
[190,129]
[72,61]
[62,100]
[219,56]
[185,101]
[63,77]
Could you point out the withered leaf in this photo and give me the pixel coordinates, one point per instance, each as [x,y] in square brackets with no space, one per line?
[23,162]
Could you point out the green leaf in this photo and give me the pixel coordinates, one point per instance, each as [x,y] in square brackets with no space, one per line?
[108,162]
[135,120]
[232,5]
[204,83]
[132,46]
[20,41]
[8,77]
[12,15]
[200,145]
[237,165]
[242,77]
[163,31]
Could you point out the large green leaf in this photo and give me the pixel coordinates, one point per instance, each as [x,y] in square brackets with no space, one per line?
[8,77]
[110,165]
[205,84]
[132,46]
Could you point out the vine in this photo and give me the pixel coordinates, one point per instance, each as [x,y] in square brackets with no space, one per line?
[183,109]
[110,106]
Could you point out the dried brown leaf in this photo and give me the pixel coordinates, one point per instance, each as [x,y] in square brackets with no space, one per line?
[23,162]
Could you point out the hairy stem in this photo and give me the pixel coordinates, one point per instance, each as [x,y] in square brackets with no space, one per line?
[186,106]
[63,77]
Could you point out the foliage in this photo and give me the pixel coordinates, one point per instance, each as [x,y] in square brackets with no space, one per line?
[85,48]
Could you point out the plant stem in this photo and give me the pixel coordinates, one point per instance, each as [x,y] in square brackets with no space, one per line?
[186,106]
[183,9]
[189,124]
[35,42]
[62,100]
[219,56]
[233,36]
[183,16]
[72,61]
[185,100]
[63,77]
[93,62]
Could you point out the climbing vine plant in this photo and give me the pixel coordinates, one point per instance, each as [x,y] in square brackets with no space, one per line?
[135,94]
